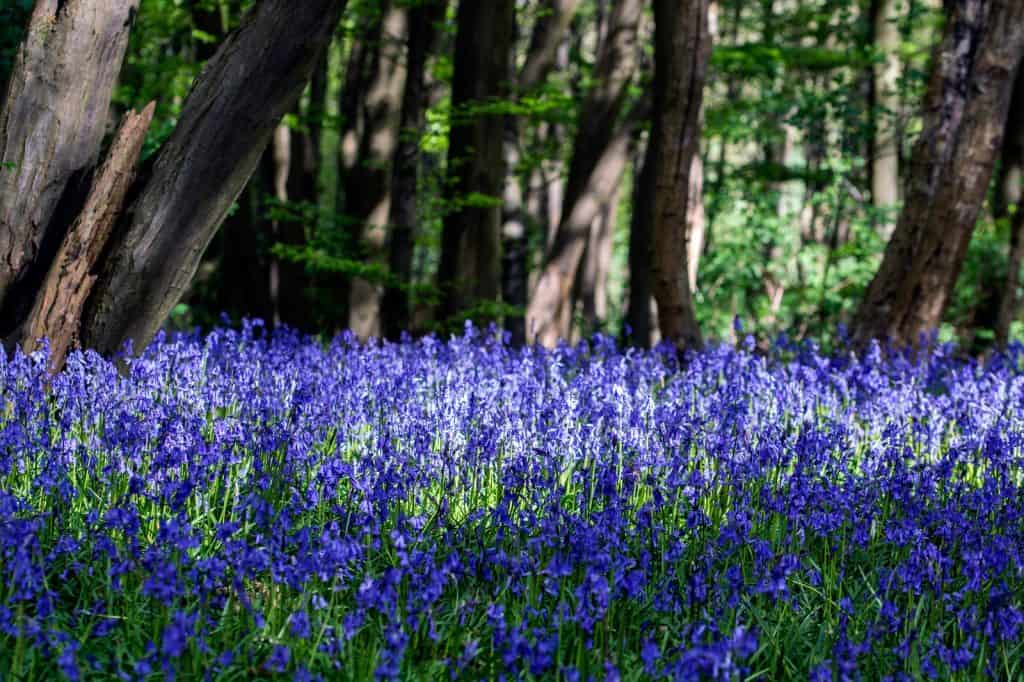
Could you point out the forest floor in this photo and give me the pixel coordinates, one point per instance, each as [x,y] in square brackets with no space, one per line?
[245,504]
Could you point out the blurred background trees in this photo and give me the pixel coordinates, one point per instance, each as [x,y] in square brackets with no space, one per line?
[452,160]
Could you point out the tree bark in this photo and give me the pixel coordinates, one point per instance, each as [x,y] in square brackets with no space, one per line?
[227,120]
[51,130]
[1009,192]
[885,164]
[641,233]
[588,172]
[396,304]
[57,310]
[965,113]
[682,47]
[368,185]
[470,266]
[599,257]
[546,37]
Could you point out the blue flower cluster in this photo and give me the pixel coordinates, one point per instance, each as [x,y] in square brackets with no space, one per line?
[252,504]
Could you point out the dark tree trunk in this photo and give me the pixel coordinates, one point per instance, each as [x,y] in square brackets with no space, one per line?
[1009,192]
[641,234]
[397,308]
[598,126]
[51,130]
[965,113]
[682,47]
[470,267]
[236,103]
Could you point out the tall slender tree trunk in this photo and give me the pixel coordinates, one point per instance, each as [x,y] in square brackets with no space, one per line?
[396,304]
[965,113]
[588,173]
[255,77]
[641,235]
[547,35]
[368,185]
[51,130]
[1010,192]
[682,47]
[599,258]
[885,164]
[470,268]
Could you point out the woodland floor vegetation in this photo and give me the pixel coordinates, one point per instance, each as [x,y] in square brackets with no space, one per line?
[248,504]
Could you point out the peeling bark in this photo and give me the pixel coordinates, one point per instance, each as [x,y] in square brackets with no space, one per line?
[51,130]
[58,305]
[236,103]
[965,112]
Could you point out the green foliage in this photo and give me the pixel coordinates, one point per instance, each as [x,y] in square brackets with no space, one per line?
[13,20]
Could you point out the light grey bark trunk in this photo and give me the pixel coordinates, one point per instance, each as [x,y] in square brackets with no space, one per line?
[598,127]
[51,128]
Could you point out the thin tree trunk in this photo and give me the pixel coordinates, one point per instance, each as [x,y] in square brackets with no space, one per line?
[256,76]
[51,130]
[470,266]
[641,234]
[368,193]
[1009,192]
[57,310]
[594,282]
[548,33]
[682,47]
[396,305]
[588,176]
[965,113]
[885,165]
[695,219]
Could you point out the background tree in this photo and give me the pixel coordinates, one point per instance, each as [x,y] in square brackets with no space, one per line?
[965,113]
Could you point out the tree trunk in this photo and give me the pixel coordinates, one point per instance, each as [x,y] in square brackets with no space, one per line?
[470,267]
[599,258]
[1009,192]
[589,176]
[885,165]
[57,310]
[965,113]
[397,308]
[368,185]
[547,36]
[695,219]
[682,47]
[51,130]
[641,233]
[227,120]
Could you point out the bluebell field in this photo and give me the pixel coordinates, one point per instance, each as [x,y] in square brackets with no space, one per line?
[248,504]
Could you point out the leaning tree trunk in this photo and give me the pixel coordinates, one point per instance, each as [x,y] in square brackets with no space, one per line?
[227,120]
[397,302]
[965,111]
[470,268]
[51,130]
[57,310]
[547,35]
[682,47]
[616,64]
